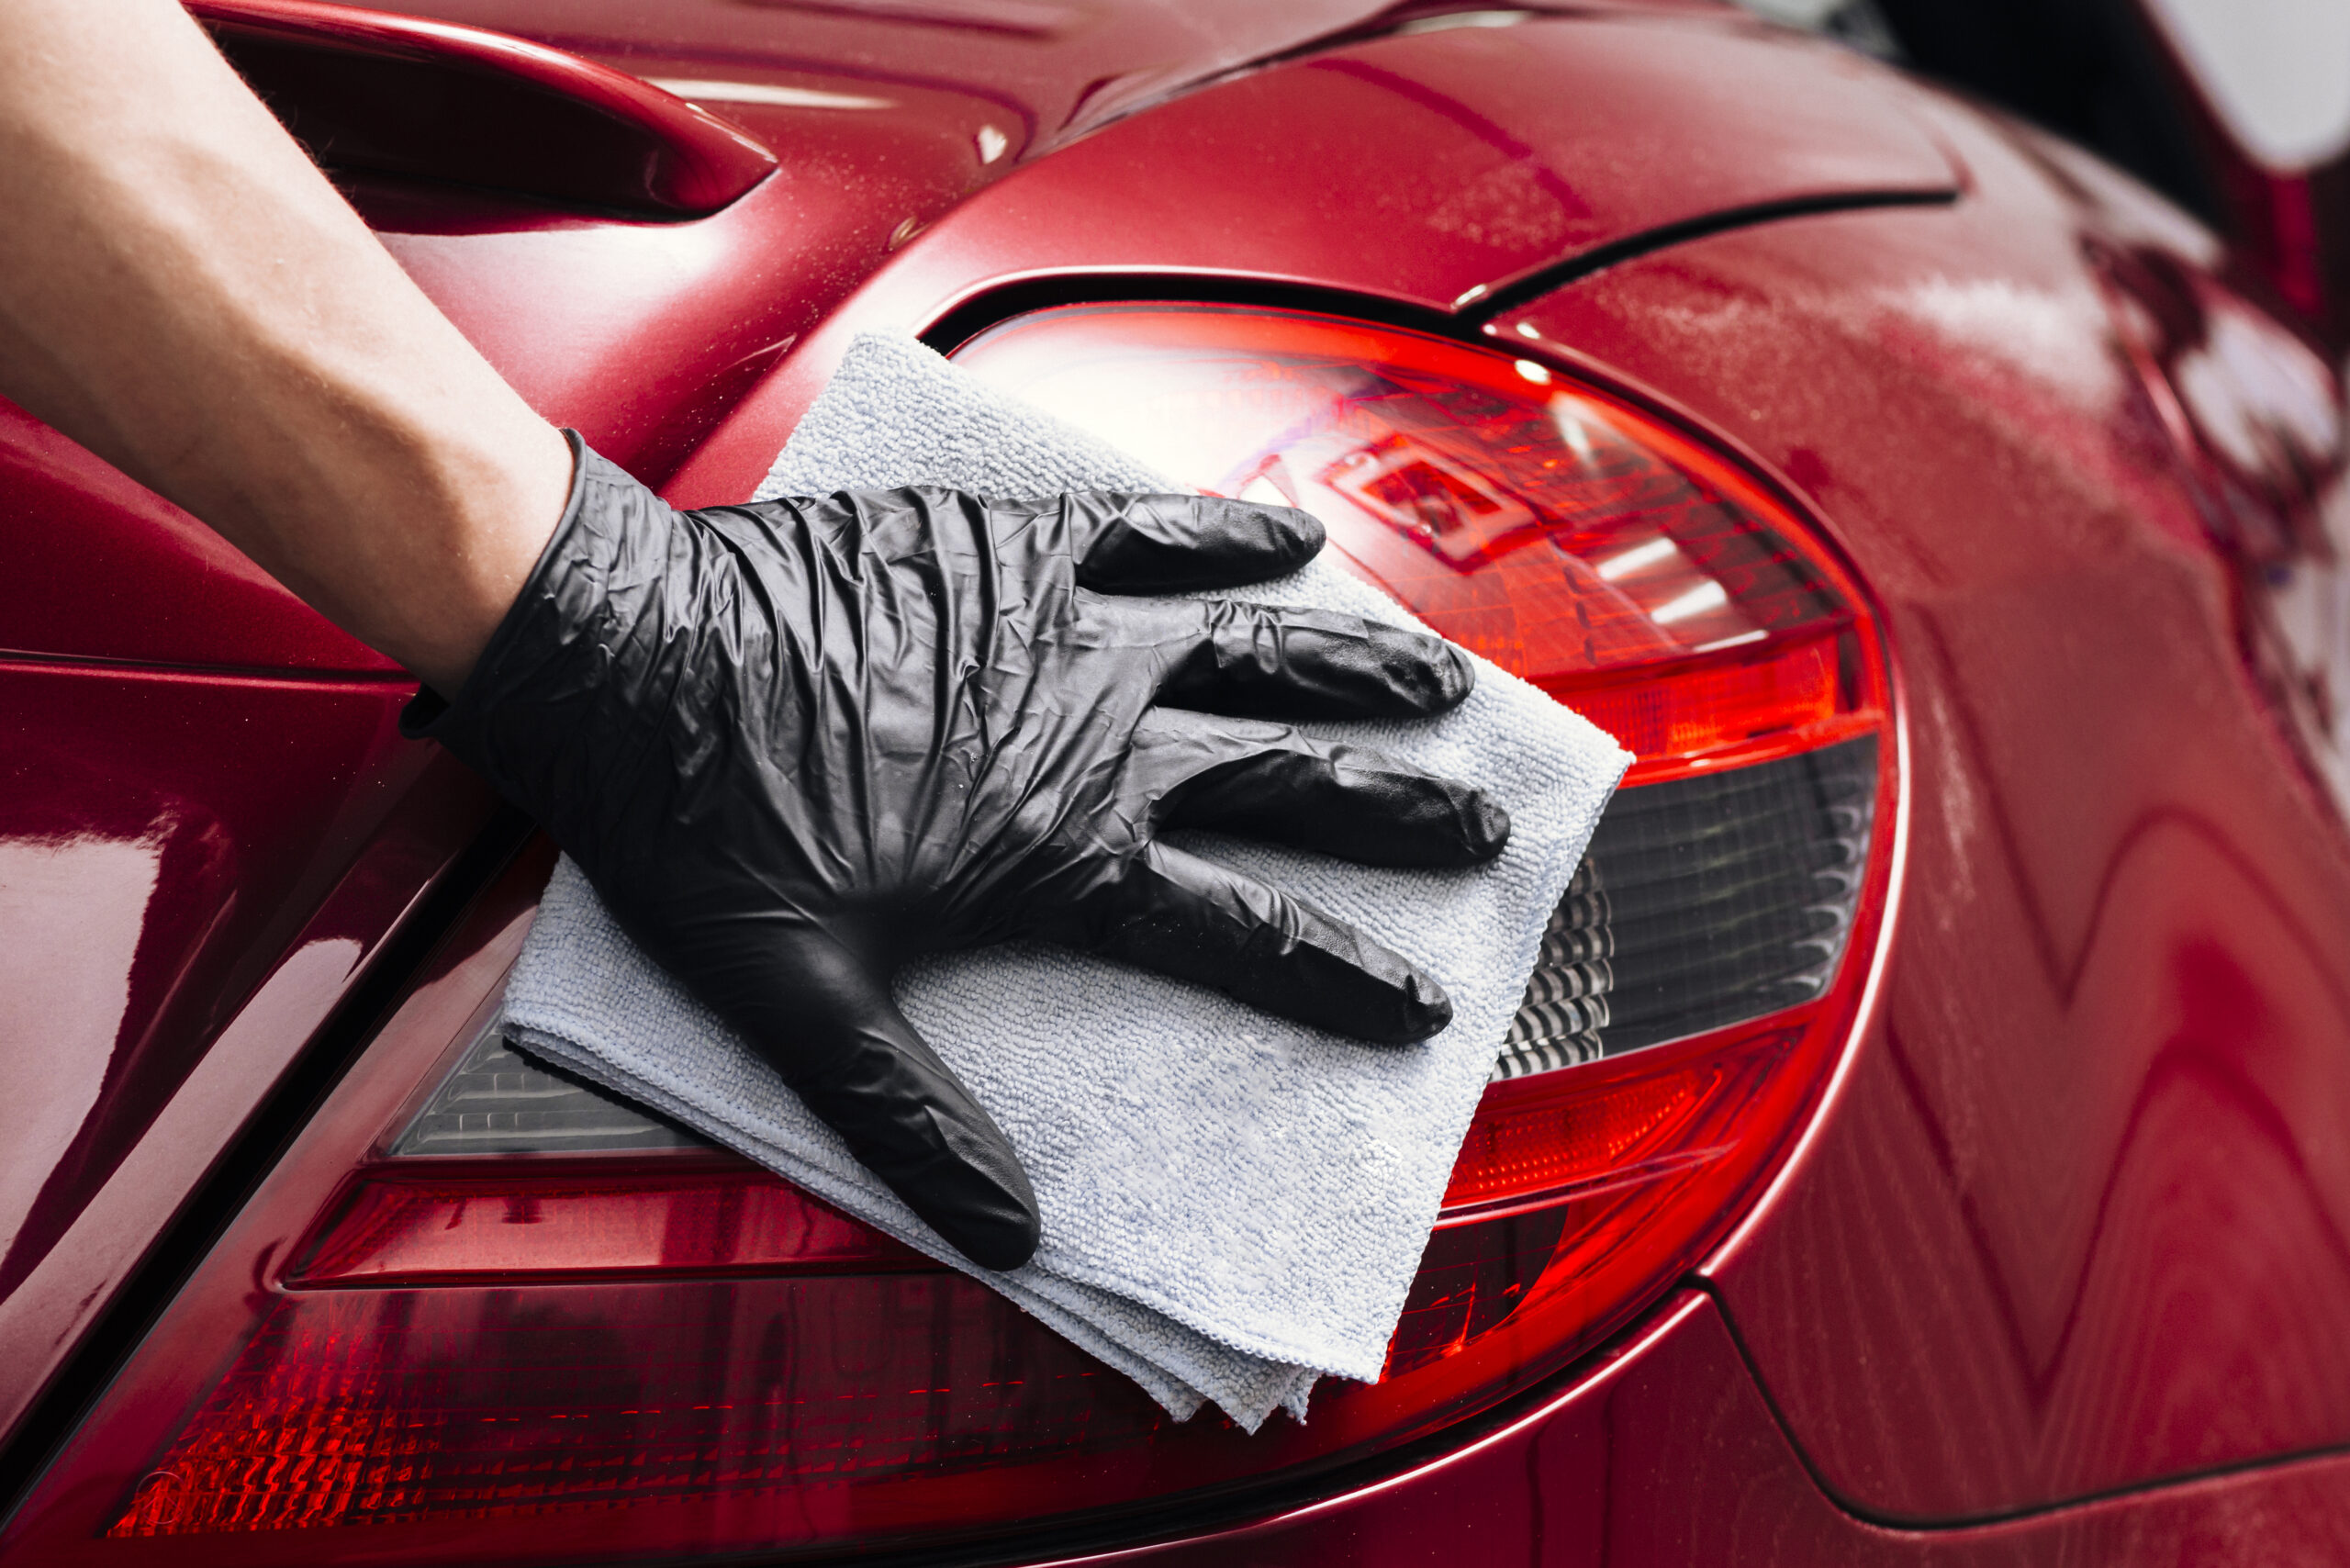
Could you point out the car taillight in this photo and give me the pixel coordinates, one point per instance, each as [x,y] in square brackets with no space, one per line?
[481,1311]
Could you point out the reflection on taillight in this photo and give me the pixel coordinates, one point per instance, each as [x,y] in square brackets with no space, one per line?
[497,1219]
[1569,536]
[1544,1139]
[483,1310]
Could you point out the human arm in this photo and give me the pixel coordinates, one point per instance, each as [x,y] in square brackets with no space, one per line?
[791,744]
[184,292]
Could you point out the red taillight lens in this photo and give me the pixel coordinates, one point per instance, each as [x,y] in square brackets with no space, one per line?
[1568,536]
[1555,1134]
[482,1311]
[402,1227]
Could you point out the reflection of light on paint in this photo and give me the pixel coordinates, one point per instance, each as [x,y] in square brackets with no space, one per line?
[2252,383]
[992,144]
[1451,20]
[764,92]
[1721,643]
[1811,16]
[2055,338]
[70,915]
[1528,329]
[1570,430]
[1632,560]
[1697,601]
[1534,372]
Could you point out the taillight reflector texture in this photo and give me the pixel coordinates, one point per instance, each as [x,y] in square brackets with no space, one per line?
[498,1100]
[376,1411]
[484,1311]
[1701,901]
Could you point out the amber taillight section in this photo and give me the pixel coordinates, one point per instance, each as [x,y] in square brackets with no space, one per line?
[483,1312]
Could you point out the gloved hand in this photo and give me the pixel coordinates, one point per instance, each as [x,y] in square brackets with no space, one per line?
[791,744]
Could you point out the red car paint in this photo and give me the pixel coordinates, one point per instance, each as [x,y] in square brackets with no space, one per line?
[2070,1226]
[1274,178]
[1667,1451]
[2079,1216]
[369,91]
[199,870]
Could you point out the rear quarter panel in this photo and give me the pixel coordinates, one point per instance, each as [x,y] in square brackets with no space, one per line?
[2076,1221]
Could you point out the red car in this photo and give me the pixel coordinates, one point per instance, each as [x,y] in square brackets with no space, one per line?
[1926,1138]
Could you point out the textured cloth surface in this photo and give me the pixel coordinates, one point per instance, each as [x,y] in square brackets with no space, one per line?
[1233,1205]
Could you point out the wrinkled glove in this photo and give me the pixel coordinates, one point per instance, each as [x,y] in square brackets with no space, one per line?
[791,744]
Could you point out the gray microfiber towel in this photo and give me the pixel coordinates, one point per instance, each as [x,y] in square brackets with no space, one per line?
[1233,1205]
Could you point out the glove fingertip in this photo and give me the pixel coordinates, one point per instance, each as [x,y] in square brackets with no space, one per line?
[1423,1010]
[910,1121]
[999,1245]
[1459,675]
[987,1211]
[1253,541]
[1299,534]
[1488,826]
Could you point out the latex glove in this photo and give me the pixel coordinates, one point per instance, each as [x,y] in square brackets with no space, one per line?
[791,744]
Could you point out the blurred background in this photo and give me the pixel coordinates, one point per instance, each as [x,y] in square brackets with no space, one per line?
[2239,110]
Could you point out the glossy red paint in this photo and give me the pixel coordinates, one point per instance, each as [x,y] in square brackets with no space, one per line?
[155,876]
[2256,414]
[638,333]
[1052,70]
[121,574]
[641,335]
[1665,1455]
[2077,1221]
[2073,1221]
[399,96]
[1486,168]
[194,870]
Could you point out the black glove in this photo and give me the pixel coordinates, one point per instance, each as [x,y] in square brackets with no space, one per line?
[791,744]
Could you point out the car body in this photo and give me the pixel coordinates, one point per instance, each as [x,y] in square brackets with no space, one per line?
[2042,1255]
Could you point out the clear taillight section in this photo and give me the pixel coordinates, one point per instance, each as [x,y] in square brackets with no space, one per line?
[483,1311]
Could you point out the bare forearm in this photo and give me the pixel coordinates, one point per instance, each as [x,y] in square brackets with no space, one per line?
[182,292]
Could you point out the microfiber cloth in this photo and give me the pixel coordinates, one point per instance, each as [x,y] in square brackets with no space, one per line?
[1233,1205]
